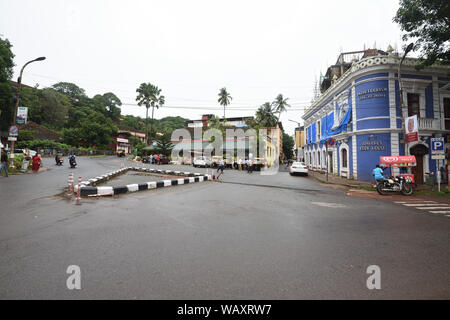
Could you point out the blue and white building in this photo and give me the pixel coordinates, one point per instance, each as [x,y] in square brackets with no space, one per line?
[361,110]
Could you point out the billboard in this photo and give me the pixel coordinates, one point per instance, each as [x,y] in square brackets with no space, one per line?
[22,113]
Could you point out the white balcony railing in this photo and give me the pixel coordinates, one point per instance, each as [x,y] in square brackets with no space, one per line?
[428,123]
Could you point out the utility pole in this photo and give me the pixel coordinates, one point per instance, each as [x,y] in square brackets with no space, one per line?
[408,49]
[19,87]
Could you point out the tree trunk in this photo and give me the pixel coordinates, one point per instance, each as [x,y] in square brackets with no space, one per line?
[146,123]
[151,124]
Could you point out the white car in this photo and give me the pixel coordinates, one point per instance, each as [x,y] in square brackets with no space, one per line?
[200,162]
[298,167]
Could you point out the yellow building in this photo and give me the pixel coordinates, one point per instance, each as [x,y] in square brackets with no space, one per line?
[299,142]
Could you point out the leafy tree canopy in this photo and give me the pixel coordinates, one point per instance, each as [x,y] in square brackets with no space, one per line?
[288,146]
[6,60]
[6,94]
[427,22]
[76,94]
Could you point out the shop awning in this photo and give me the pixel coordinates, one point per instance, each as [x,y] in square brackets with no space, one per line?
[398,161]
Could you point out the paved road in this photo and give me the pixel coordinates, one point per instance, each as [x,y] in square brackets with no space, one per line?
[247,237]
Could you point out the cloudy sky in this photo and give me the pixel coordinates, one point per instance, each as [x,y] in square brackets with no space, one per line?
[190,49]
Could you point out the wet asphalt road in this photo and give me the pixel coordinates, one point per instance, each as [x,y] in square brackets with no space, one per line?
[247,237]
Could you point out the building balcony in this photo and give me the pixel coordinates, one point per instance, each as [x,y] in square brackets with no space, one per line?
[428,123]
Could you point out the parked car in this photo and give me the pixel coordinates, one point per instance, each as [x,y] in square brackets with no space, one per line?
[298,168]
[22,151]
[200,162]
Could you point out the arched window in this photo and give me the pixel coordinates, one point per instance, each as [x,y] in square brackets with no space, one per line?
[344,158]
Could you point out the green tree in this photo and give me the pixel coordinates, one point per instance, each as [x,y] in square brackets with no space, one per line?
[150,96]
[288,146]
[76,94]
[108,104]
[280,105]
[427,22]
[224,100]
[164,145]
[6,93]
[265,116]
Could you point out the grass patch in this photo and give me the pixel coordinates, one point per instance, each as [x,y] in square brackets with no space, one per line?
[368,188]
[443,193]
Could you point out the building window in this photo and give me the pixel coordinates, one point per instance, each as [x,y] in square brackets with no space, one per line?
[318,130]
[413,104]
[344,158]
[447,113]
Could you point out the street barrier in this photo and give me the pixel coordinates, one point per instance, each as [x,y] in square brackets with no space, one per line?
[70,186]
[89,188]
[79,191]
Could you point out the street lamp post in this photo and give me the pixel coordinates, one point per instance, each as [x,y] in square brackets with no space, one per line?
[408,49]
[19,86]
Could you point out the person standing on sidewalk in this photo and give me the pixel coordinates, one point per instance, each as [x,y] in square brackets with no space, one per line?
[4,163]
[221,168]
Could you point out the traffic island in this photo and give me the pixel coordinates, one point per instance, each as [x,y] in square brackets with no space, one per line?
[91,188]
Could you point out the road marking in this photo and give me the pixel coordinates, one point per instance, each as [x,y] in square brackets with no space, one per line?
[411,201]
[424,204]
[440,212]
[432,208]
[330,205]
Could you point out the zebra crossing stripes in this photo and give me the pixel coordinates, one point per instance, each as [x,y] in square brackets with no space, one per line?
[427,205]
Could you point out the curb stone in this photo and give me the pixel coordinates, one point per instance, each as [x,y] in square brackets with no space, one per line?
[89,187]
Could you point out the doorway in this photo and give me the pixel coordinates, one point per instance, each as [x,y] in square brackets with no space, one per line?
[419,151]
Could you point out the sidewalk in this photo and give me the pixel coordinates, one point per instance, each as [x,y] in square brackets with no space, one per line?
[422,192]
[332,179]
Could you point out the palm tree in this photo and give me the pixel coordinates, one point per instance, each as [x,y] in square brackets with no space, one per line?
[224,100]
[280,105]
[265,115]
[149,95]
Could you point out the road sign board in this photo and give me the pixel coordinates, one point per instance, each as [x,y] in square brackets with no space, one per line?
[331,142]
[438,156]
[437,145]
[12,138]
[13,131]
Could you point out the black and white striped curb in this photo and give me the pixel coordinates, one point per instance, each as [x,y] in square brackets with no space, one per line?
[89,188]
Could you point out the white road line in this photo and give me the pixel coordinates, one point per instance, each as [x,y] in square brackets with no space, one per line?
[417,201]
[440,212]
[424,204]
[433,208]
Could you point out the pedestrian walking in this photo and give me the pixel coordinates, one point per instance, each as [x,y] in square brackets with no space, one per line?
[158,159]
[220,168]
[36,162]
[240,164]
[4,163]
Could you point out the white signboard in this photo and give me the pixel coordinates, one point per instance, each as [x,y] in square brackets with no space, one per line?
[438,156]
[22,114]
[411,129]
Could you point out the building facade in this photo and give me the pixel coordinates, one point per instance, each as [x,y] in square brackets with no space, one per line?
[361,111]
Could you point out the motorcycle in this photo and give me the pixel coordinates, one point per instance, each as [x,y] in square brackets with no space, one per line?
[395,184]
[59,161]
[72,161]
